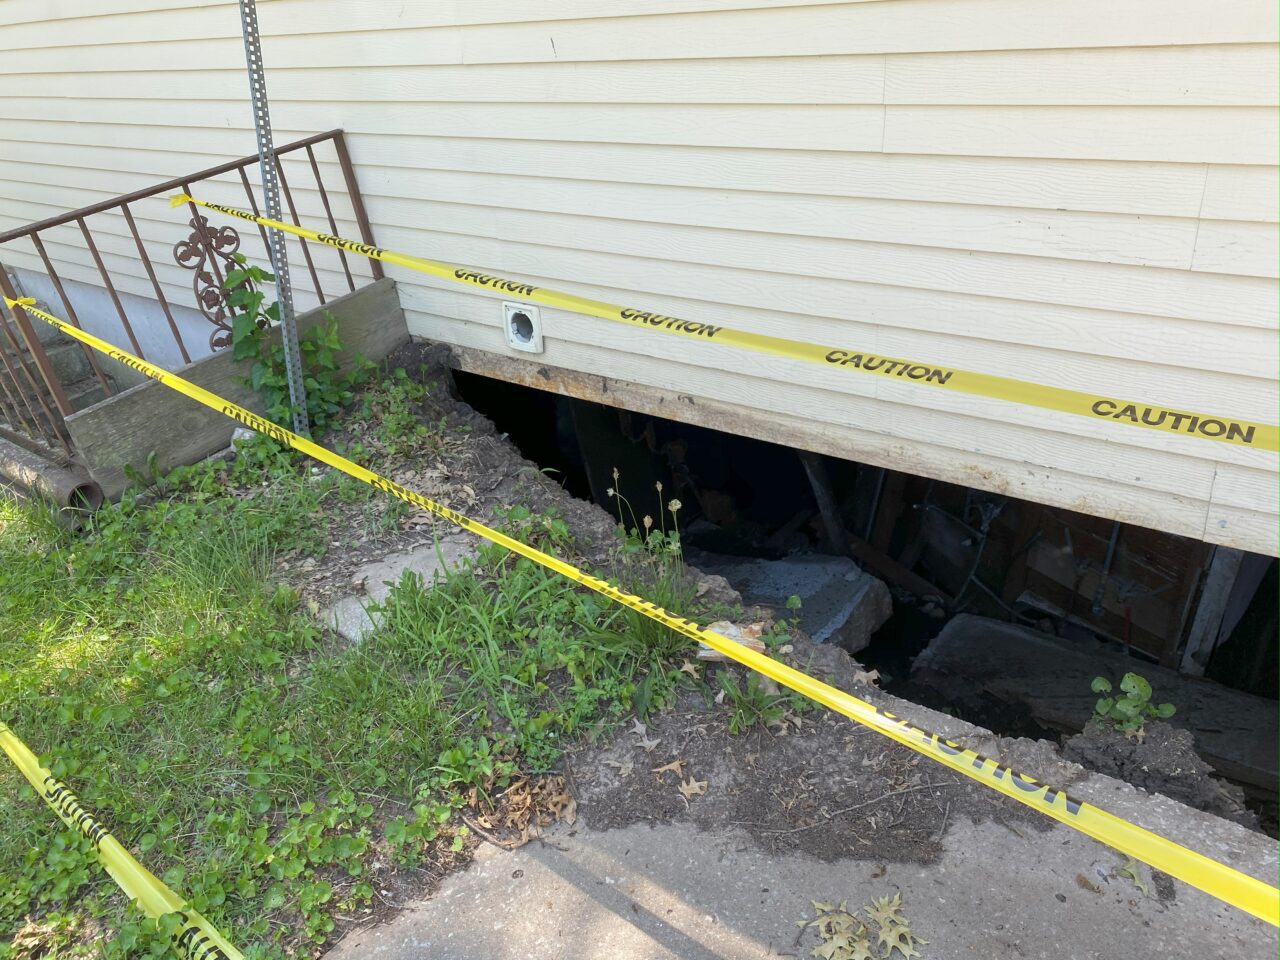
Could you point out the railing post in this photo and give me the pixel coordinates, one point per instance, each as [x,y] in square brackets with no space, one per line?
[36,349]
[357,202]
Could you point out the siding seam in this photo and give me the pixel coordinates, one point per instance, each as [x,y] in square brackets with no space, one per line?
[884,101]
[1209,504]
[1195,239]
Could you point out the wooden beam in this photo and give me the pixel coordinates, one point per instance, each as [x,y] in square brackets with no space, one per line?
[1205,627]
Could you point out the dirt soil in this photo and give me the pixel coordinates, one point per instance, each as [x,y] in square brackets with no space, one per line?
[473,470]
[1163,760]
[816,783]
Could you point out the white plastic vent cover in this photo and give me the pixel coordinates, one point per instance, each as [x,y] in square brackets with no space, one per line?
[523,324]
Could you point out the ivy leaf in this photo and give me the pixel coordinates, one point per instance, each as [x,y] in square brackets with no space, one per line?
[1166,710]
[396,831]
[1127,707]
[1136,686]
[1100,685]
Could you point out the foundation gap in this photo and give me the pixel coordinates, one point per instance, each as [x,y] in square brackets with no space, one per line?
[998,610]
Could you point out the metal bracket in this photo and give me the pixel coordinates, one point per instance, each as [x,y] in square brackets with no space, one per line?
[271,198]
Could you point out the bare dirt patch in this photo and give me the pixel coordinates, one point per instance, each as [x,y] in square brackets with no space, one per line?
[1163,760]
[463,463]
[816,783]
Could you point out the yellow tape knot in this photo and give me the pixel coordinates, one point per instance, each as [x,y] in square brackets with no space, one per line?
[178,199]
[20,302]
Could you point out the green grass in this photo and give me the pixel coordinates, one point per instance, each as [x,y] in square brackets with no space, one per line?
[256,765]
[252,763]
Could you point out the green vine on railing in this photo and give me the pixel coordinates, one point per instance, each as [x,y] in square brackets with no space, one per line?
[328,387]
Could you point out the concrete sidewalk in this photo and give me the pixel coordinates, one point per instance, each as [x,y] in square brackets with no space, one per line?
[671,891]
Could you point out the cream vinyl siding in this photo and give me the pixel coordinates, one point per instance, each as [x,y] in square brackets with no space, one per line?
[1080,194]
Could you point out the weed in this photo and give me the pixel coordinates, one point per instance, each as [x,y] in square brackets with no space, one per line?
[256,767]
[328,389]
[395,406]
[650,562]
[751,704]
[1130,712]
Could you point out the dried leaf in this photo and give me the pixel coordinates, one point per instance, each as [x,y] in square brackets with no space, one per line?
[886,910]
[690,668]
[1132,871]
[899,937]
[648,745]
[624,767]
[1084,883]
[748,636]
[693,788]
[675,766]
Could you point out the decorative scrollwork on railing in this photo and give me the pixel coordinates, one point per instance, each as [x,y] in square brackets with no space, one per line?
[209,252]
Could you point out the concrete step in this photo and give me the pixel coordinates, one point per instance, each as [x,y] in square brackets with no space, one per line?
[85,393]
[69,362]
[46,333]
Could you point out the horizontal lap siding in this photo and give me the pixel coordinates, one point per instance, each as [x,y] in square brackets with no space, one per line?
[1079,194]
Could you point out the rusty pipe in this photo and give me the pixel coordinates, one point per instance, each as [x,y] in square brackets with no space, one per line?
[70,486]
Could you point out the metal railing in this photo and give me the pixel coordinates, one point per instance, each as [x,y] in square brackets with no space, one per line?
[34,395]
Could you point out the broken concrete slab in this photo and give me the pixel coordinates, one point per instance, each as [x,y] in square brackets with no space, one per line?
[350,616]
[839,602]
[1235,732]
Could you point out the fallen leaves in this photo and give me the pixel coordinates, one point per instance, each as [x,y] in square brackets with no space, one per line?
[1084,883]
[644,741]
[526,806]
[1133,871]
[675,766]
[843,935]
[692,788]
[624,767]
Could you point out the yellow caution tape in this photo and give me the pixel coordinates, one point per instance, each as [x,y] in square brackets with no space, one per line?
[1229,885]
[1262,436]
[195,937]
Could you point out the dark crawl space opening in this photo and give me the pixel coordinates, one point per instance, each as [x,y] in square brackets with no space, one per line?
[997,610]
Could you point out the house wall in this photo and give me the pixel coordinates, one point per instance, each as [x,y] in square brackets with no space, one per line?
[1079,194]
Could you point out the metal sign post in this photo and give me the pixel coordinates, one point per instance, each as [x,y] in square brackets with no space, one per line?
[271,197]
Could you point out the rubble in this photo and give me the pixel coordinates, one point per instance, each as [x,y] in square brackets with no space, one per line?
[839,602]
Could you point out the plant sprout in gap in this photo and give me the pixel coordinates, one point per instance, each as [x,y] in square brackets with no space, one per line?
[1129,711]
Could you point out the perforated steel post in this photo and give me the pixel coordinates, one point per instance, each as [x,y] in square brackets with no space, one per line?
[271,202]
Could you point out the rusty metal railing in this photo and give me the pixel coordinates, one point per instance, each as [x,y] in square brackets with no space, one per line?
[34,396]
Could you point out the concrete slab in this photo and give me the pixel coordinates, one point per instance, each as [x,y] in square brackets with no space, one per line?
[644,893]
[1235,732]
[150,418]
[350,616]
[839,602]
